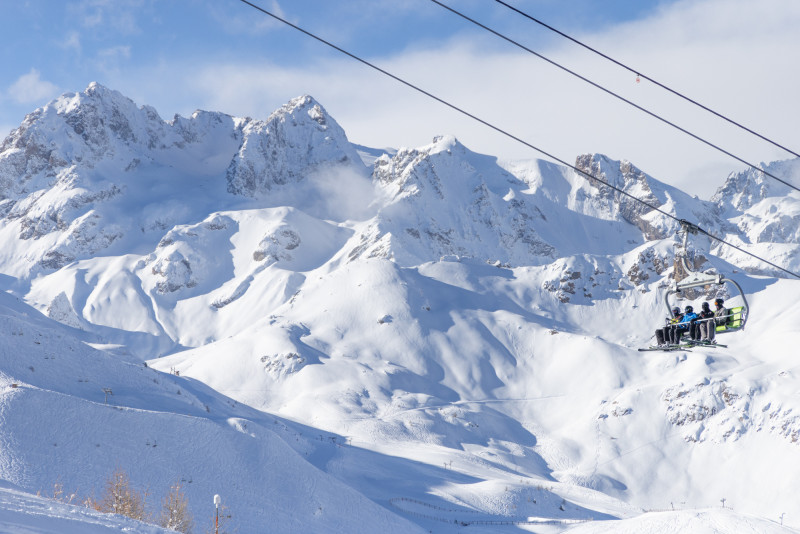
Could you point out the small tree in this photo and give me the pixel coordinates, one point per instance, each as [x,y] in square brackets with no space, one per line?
[175,513]
[120,498]
[61,496]
[91,502]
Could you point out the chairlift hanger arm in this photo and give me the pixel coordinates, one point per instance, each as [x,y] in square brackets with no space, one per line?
[690,227]
[696,279]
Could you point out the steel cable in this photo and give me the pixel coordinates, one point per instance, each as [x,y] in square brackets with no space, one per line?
[508,134]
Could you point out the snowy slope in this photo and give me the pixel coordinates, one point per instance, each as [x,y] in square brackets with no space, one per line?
[466,368]
[57,426]
[702,522]
[23,513]
[439,337]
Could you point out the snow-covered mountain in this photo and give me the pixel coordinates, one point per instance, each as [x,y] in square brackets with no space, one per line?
[765,213]
[421,336]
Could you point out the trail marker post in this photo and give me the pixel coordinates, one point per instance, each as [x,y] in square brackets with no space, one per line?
[217,502]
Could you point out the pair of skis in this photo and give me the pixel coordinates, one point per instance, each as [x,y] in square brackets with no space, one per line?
[683,346]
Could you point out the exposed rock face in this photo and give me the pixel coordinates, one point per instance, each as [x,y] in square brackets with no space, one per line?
[714,410]
[49,178]
[89,168]
[277,245]
[187,255]
[648,264]
[581,279]
[293,142]
[743,190]
[625,176]
[281,365]
[61,310]
[770,210]
[445,200]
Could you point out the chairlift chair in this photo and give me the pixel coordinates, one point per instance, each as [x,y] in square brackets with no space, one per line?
[737,317]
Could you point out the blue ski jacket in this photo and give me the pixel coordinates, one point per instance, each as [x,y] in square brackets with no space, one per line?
[687,318]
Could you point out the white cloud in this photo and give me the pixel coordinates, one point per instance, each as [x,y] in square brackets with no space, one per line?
[30,88]
[115,52]
[72,41]
[111,59]
[733,55]
[245,20]
[118,15]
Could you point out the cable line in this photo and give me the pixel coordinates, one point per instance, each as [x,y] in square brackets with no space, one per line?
[648,78]
[615,95]
[506,133]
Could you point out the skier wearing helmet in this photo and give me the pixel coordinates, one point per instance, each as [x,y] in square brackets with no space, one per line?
[688,323]
[707,324]
[666,335]
[721,313]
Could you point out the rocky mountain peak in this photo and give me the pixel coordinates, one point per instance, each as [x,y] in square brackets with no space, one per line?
[626,177]
[76,129]
[742,190]
[103,116]
[299,110]
[298,139]
[80,169]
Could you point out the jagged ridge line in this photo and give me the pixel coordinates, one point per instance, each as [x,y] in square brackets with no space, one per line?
[617,95]
[510,135]
[648,78]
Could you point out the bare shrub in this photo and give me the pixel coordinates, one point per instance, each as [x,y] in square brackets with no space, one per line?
[120,498]
[61,496]
[175,513]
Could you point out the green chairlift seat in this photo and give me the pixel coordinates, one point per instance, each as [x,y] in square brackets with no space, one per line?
[736,319]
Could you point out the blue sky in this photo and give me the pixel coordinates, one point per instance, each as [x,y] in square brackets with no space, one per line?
[737,56]
[69,43]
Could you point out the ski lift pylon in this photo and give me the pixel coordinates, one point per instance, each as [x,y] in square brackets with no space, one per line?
[695,279]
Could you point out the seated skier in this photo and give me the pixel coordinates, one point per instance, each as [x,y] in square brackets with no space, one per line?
[707,324]
[666,335]
[687,324]
[721,314]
